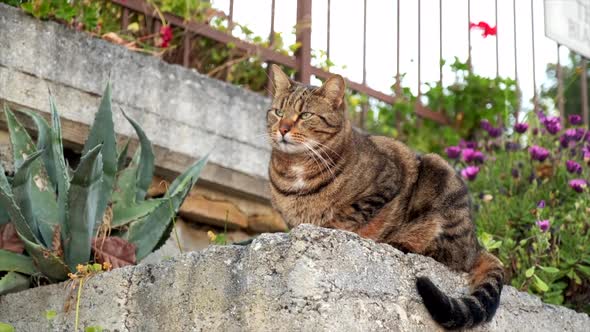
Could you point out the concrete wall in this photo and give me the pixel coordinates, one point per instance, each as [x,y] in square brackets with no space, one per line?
[312,279]
[184,113]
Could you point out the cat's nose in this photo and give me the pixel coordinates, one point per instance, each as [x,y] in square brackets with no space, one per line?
[284,128]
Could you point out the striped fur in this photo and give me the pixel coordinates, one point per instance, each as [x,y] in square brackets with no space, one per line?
[325,173]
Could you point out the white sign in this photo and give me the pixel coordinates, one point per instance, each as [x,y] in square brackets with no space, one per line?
[568,23]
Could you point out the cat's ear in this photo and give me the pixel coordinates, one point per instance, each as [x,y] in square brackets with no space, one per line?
[280,80]
[333,90]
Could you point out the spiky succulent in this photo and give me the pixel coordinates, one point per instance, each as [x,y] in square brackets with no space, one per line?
[62,216]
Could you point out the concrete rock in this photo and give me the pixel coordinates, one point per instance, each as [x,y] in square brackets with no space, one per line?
[312,279]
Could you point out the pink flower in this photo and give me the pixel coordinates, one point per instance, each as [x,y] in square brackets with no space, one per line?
[521,128]
[543,225]
[573,167]
[538,153]
[470,172]
[487,30]
[575,119]
[578,185]
[165,36]
[470,155]
[453,152]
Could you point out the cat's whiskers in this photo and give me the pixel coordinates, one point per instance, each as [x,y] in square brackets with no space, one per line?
[322,159]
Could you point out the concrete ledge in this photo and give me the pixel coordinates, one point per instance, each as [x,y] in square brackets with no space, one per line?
[184,113]
[312,279]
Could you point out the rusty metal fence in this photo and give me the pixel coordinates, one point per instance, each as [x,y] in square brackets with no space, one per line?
[301,61]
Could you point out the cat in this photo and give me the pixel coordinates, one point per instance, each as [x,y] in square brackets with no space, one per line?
[324,172]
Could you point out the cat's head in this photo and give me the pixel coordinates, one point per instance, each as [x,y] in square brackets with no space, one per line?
[303,117]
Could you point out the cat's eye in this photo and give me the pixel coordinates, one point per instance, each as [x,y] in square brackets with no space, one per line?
[305,115]
[279,113]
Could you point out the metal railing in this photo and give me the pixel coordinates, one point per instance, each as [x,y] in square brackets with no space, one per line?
[301,61]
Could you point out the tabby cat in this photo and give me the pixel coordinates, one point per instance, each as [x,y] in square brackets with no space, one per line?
[325,173]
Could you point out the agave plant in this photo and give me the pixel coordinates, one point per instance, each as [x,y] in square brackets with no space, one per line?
[60,217]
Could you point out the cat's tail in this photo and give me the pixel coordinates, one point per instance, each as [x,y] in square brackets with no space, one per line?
[487,277]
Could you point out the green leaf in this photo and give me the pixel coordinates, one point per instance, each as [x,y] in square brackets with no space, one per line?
[22,144]
[9,205]
[61,169]
[145,170]
[35,196]
[11,261]
[193,172]
[125,184]
[52,266]
[93,329]
[10,283]
[549,269]
[584,269]
[84,211]
[4,327]
[529,273]
[122,159]
[123,215]
[147,232]
[103,133]
[540,284]
[44,143]
[50,314]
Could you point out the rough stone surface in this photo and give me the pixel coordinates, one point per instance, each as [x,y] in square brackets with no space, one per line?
[180,110]
[312,279]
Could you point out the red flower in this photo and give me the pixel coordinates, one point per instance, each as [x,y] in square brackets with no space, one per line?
[487,30]
[165,36]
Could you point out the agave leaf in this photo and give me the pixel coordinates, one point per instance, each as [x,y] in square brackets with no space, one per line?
[47,262]
[4,217]
[10,283]
[8,204]
[122,159]
[61,169]
[145,171]
[22,144]
[123,215]
[84,213]
[44,143]
[103,133]
[35,196]
[11,261]
[146,232]
[180,183]
[21,189]
[125,184]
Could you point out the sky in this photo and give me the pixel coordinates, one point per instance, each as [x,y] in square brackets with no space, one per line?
[347,37]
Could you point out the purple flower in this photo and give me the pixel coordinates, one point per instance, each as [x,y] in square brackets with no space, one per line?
[552,124]
[535,131]
[494,132]
[578,184]
[541,204]
[573,167]
[467,144]
[512,146]
[538,153]
[574,119]
[470,172]
[543,225]
[471,155]
[521,128]
[453,152]
[515,173]
[485,125]
[564,141]
[586,153]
